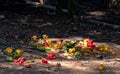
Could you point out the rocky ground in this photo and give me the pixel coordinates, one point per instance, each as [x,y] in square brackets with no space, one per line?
[21,22]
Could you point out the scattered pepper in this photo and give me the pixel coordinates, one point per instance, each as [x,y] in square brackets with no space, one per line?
[9,59]
[101,67]
[8,50]
[19,51]
[65,54]
[71,50]
[44,36]
[20,60]
[34,37]
[51,56]
[43,60]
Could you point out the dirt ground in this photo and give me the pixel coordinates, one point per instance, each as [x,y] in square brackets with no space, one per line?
[20,23]
[82,66]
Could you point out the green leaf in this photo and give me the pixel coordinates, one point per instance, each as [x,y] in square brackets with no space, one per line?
[64,44]
[78,48]
[31,43]
[66,49]
[40,48]
[70,45]
[9,59]
[4,42]
[47,49]
[77,54]
[73,42]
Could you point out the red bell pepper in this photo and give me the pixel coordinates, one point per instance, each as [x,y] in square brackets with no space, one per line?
[20,60]
[51,56]
[90,43]
[43,60]
[45,44]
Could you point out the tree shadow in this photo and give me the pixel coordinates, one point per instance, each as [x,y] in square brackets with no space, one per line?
[55,25]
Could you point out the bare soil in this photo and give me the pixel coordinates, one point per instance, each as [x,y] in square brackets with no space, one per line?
[22,22]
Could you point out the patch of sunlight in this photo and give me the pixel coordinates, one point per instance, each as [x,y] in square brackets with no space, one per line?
[70,65]
[97,13]
[69,38]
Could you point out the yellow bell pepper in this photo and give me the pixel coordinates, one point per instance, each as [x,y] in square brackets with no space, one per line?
[44,36]
[34,37]
[19,51]
[101,49]
[106,49]
[8,50]
[101,67]
[57,46]
[95,51]
[49,42]
[101,46]
[85,50]
[65,54]
[71,50]
[63,47]
[85,44]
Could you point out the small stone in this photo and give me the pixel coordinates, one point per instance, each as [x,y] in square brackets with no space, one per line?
[116,27]
[75,29]
[34,56]
[29,61]
[113,53]
[57,64]
[28,66]
[118,59]
[16,36]
[55,69]
[75,17]
[21,41]
[69,57]
[99,56]
[2,16]
[48,69]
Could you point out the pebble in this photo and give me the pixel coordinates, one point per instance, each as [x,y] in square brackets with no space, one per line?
[118,59]
[2,16]
[69,57]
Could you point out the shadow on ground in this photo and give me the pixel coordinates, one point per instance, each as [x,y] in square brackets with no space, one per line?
[48,69]
[41,21]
